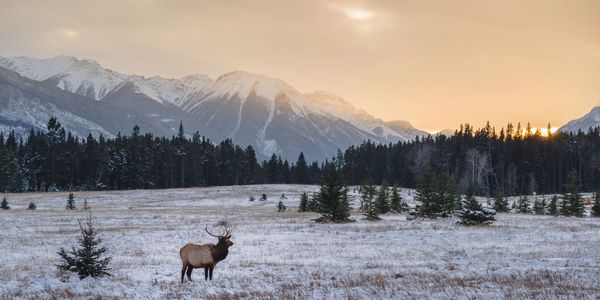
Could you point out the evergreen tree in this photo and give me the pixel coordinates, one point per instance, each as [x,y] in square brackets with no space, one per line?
[368,203]
[263,197]
[575,204]
[281,207]
[565,210]
[449,197]
[427,196]
[32,206]
[313,204]
[4,204]
[86,260]
[332,198]
[251,198]
[500,202]
[539,206]
[596,206]
[553,207]
[301,170]
[303,207]
[523,205]
[85,205]
[397,204]
[473,213]
[382,202]
[71,201]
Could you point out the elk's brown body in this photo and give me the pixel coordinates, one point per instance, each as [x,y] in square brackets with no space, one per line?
[204,255]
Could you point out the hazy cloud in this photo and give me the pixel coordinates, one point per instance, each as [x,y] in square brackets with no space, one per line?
[435,63]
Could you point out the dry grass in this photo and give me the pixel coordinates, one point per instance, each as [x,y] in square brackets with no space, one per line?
[288,256]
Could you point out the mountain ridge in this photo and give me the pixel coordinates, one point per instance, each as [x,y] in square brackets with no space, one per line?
[584,123]
[252,109]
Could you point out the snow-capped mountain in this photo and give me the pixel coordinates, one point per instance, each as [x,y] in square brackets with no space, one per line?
[83,77]
[590,120]
[251,109]
[27,104]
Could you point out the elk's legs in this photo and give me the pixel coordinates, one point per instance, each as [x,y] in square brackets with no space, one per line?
[205,273]
[189,273]
[210,273]
[183,273]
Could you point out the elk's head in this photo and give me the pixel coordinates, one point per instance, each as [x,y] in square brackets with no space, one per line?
[224,238]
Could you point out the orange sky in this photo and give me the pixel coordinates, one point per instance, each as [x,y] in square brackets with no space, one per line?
[434,63]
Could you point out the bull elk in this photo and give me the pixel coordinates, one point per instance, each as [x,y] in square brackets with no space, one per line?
[205,255]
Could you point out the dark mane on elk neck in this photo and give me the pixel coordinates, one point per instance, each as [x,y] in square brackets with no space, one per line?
[205,255]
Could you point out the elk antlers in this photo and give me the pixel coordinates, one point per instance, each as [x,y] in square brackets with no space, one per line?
[226,233]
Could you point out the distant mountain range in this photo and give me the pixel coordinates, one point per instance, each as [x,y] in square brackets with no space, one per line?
[251,109]
[590,120]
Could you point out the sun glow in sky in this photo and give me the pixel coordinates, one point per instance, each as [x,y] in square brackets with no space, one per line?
[437,64]
[543,131]
[358,14]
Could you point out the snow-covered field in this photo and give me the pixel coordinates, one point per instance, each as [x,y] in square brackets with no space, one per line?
[287,255]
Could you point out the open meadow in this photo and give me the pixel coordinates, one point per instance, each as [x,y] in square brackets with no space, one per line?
[288,255]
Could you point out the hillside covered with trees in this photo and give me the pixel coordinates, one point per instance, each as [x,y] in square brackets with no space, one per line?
[522,162]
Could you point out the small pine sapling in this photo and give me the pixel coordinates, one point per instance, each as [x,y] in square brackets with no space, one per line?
[572,201]
[32,206]
[500,202]
[281,207]
[473,213]
[523,205]
[85,205]
[382,202]
[397,204]
[367,196]
[4,204]
[86,260]
[71,201]
[303,203]
[251,198]
[332,198]
[263,197]
[539,206]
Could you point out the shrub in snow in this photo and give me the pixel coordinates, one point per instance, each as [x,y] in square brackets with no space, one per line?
[263,197]
[251,198]
[71,201]
[281,207]
[4,204]
[86,260]
[473,213]
[31,206]
[85,205]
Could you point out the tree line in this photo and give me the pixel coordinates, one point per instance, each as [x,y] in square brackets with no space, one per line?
[513,161]
[58,160]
